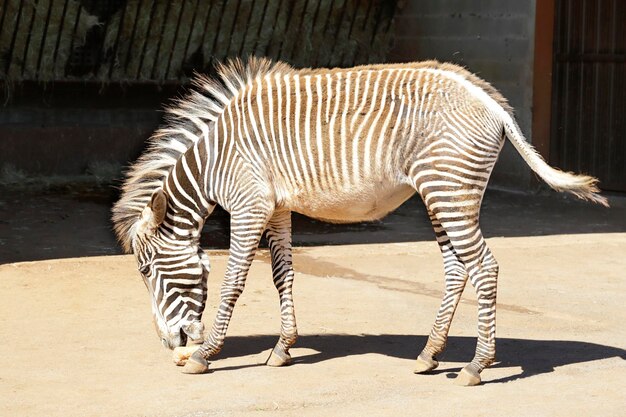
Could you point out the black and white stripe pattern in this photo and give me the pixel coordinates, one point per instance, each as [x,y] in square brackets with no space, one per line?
[341,145]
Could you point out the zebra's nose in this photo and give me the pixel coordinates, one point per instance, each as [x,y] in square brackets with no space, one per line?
[166,343]
[174,339]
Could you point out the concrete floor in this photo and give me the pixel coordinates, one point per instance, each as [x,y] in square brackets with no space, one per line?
[77,337]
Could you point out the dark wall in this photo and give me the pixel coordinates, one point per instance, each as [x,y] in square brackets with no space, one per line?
[74,129]
[83,81]
[86,123]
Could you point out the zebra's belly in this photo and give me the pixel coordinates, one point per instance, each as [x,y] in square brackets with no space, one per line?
[356,204]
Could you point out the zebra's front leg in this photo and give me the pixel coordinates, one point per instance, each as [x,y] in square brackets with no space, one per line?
[279,238]
[246,230]
[455,280]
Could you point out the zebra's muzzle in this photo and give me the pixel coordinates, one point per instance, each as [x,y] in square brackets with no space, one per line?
[193,330]
[174,340]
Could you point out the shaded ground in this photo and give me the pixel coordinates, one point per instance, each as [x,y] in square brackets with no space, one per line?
[77,338]
[73,220]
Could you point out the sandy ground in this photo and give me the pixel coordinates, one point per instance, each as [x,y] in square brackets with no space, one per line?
[77,337]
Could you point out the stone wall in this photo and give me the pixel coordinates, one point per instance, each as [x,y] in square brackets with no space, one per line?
[492,38]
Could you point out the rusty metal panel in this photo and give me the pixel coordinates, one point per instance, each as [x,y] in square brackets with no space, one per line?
[589,90]
[163,41]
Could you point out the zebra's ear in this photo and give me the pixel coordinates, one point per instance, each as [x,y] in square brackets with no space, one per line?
[158,206]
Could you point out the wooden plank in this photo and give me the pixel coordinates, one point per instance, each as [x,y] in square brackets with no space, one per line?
[542,79]
[588,131]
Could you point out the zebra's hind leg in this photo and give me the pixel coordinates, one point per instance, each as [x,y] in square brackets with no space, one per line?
[483,274]
[455,279]
[468,243]
[279,238]
[456,208]
[247,226]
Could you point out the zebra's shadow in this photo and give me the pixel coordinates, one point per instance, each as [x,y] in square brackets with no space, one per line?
[535,357]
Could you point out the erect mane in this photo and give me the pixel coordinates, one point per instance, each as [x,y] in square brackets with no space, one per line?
[183,126]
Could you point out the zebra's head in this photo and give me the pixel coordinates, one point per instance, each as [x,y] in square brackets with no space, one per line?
[175,274]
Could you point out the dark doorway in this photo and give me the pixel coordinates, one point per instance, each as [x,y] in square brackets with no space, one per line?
[589,90]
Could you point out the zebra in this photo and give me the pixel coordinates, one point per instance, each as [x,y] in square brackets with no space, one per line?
[263,139]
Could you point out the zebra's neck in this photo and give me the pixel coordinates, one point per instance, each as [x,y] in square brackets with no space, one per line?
[188,192]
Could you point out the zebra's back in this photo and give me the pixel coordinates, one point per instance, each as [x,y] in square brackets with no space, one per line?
[339,144]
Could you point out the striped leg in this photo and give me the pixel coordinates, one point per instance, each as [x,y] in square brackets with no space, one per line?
[279,237]
[467,241]
[483,273]
[455,279]
[456,210]
[247,226]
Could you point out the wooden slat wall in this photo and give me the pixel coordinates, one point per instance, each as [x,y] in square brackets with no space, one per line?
[589,90]
[165,40]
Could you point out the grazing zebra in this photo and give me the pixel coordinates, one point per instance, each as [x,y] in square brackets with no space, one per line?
[341,145]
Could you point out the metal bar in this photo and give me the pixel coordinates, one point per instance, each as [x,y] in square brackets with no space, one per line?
[204,31]
[393,13]
[306,37]
[169,60]
[289,54]
[160,39]
[120,28]
[30,33]
[610,137]
[378,31]
[363,43]
[132,39]
[567,73]
[581,94]
[258,33]
[145,42]
[232,30]
[336,36]
[247,29]
[367,14]
[218,29]
[596,87]
[193,25]
[328,18]
[270,43]
[4,13]
[43,39]
[71,50]
[288,21]
[100,53]
[60,34]
[314,24]
[592,57]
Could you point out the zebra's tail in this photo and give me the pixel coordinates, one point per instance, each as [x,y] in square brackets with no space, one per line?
[582,186]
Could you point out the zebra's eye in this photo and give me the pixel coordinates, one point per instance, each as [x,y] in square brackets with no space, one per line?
[145,269]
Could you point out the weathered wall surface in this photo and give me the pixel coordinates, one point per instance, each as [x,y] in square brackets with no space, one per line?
[65,131]
[493,38]
[68,131]
[81,81]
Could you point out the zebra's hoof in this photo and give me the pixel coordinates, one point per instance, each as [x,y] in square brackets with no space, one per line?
[196,364]
[424,364]
[467,377]
[278,358]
